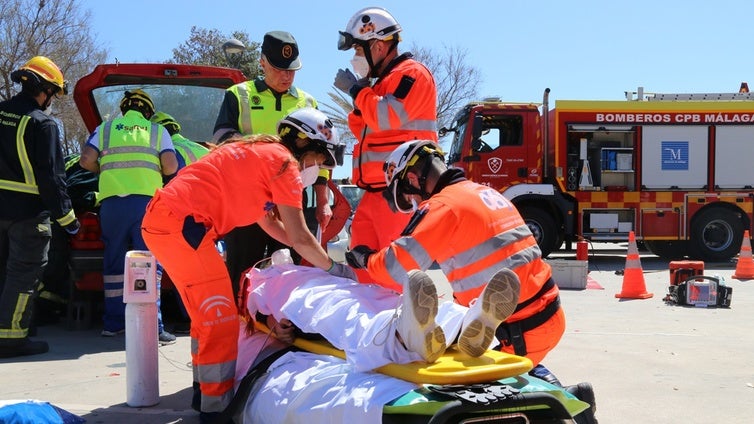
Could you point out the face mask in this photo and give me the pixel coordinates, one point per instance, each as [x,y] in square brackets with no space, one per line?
[360,66]
[309,175]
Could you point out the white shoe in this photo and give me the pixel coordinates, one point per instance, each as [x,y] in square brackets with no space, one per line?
[496,303]
[416,323]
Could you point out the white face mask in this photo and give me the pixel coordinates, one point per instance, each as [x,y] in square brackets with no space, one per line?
[309,175]
[360,66]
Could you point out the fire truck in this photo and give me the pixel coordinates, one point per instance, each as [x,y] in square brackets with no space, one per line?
[676,169]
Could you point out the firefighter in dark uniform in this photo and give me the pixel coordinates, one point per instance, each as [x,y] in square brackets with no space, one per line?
[32,191]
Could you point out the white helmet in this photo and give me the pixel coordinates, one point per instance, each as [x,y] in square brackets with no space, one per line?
[371,23]
[397,164]
[309,123]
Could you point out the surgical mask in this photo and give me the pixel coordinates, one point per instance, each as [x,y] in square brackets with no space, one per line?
[309,175]
[360,66]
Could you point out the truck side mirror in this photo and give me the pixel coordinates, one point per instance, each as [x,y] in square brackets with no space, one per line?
[476,126]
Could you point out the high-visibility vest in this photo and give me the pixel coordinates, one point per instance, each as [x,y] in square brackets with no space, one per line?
[129,156]
[189,150]
[259,109]
[401,106]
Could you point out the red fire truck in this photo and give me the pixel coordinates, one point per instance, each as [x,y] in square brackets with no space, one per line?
[674,168]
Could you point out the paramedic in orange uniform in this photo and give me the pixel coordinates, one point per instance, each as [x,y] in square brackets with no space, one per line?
[472,231]
[400,106]
[246,180]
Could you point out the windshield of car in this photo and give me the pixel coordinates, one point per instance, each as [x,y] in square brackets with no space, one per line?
[353,194]
[194,107]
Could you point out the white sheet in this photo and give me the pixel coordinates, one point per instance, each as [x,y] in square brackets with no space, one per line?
[357,318]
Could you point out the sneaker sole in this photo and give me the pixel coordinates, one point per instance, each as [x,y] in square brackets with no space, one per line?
[499,300]
[424,306]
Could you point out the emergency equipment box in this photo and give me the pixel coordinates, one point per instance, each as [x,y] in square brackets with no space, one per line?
[681,271]
[569,274]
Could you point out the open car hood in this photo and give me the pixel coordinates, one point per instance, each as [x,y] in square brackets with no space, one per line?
[192,94]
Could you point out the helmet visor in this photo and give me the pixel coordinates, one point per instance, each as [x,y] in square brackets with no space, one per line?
[345,41]
[394,196]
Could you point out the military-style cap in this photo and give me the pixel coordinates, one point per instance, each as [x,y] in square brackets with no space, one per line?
[281,50]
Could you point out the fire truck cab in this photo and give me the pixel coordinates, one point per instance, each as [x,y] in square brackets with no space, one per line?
[673,168]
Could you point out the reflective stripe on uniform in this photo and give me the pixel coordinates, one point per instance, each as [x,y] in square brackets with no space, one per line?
[244,110]
[29,185]
[15,331]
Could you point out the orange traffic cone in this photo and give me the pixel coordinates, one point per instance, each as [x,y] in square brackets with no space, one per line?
[633,275]
[745,265]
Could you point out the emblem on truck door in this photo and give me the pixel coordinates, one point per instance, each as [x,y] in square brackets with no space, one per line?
[494,164]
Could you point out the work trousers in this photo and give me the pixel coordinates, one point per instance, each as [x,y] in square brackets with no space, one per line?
[188,253]
[376,226]
[23,255]
[120,219]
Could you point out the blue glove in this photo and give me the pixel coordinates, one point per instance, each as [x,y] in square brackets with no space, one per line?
[343,271]
[73,227]
[359,256]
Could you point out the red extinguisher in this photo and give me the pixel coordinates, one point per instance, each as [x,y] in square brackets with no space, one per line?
[582,250]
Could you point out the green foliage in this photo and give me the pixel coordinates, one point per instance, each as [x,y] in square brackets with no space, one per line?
[204,47]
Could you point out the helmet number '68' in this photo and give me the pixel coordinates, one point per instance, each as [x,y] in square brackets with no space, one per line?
[494,200]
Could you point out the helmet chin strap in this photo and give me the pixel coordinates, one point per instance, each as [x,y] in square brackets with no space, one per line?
[374,67]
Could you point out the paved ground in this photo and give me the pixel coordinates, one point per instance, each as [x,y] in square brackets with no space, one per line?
[648,362]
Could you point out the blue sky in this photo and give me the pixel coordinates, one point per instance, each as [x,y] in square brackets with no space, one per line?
[580,49]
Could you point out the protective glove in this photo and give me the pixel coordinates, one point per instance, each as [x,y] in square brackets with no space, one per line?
[359,256]
[340,270]
[347,82]
[73,227]
[344,80]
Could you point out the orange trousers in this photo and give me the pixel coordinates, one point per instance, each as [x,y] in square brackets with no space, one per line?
[376,226]
[202,279]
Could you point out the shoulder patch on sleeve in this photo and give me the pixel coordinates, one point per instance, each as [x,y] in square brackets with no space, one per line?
[404,87]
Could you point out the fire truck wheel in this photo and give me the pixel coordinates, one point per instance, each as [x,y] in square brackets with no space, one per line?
[716,234]
[544,228]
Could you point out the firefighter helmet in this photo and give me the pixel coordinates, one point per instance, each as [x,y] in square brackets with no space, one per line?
[40,70]
[312,125]
[371,23]
[166,121]
[137,100]
[396,166]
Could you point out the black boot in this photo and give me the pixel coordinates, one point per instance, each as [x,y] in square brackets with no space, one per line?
[10,348]
[541,372]
[196,397]
[585,393]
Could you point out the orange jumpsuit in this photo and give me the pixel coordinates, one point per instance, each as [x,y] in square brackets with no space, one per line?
[472,231]
[233,186]
[401,106]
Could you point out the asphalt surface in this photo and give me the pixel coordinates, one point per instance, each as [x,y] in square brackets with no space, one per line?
[648,361]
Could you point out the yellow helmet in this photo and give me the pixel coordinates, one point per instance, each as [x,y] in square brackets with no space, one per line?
[40,67]
[166,121]
[137,100]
